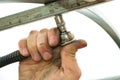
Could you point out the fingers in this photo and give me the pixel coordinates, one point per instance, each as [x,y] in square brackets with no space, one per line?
[31,45]
[43,45]
[38,44]
[53,37]
[23,47]
[69,62]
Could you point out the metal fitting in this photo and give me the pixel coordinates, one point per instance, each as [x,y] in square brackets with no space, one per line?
[65,36]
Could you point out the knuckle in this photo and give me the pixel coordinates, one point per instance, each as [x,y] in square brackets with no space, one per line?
[31,46]
[33,32]
[43,30]
[43,47]
[53,37]
[55,30]
[21,42]
[70,49]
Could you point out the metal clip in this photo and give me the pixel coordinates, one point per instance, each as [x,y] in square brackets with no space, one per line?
[65,36]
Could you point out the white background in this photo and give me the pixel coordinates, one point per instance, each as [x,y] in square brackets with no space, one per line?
[99,59]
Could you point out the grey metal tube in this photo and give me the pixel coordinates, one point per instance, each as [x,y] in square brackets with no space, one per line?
[100,21]
[111,78]
[27,1]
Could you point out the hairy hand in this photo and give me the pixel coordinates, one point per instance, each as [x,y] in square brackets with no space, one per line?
[46,61]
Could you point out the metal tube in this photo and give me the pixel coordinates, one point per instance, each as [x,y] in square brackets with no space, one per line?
[100,21]
[28,1]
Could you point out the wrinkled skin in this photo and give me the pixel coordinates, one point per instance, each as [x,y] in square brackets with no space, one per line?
[48,62]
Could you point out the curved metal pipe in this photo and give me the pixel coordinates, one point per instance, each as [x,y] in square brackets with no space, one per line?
[100,21]
[111,78]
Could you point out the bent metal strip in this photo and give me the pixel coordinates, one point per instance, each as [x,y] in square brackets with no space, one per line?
[50,9]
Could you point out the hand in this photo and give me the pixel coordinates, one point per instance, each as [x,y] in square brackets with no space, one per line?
[46,61]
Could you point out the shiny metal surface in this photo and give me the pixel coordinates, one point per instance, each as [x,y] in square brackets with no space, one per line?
[65,36]
[111,78]
[100,21]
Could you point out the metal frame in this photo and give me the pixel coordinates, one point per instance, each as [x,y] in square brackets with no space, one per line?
[51,9]
[100,21]
[28,1]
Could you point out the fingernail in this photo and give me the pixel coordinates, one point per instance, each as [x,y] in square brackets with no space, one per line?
[37,57]
[83,43]
[47,56]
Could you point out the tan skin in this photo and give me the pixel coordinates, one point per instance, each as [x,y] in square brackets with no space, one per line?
[46,61]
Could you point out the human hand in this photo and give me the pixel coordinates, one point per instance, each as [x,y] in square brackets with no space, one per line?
[46,61]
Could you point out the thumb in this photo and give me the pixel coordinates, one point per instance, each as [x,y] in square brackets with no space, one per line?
[68,55]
